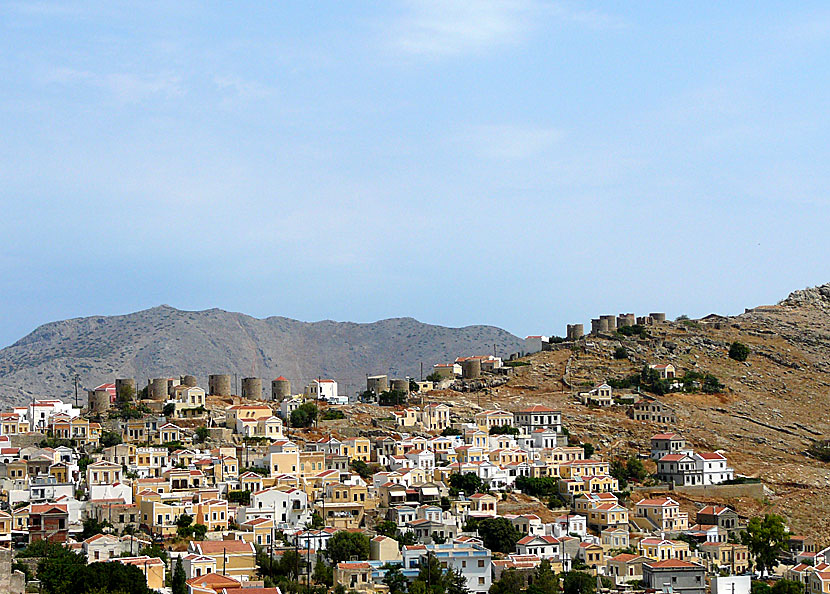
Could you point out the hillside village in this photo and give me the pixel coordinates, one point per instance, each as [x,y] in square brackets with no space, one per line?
[575,460]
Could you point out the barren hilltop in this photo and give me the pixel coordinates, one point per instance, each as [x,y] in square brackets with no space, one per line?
[164,341]
[772,409]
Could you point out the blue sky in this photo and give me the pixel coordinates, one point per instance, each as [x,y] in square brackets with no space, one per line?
[519,162]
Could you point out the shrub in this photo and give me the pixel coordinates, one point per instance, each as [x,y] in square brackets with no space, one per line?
[738,351]
[621,353]
[332,414]
[820,450]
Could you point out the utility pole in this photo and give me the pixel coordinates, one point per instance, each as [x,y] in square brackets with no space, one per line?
[422,371]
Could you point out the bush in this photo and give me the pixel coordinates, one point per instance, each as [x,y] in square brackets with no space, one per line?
[504,430]
[450,431]
[738,351]
[621,353]
[820,450]
[537,487]
[332,414]
[635,330]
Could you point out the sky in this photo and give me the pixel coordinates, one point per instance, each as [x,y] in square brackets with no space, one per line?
[521,163]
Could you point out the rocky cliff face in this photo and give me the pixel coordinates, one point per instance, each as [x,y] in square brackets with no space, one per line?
[164,341]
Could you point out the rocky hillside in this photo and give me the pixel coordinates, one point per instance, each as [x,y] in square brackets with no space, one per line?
[165,341]
[773,408]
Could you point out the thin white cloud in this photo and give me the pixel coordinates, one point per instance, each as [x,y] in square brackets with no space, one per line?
[446,27]
[241,88]
[509,141]
[124,86]
[449,27]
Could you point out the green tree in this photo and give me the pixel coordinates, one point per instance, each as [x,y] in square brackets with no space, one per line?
[509,583]
[434,377]
[537,486]
[469,482]
[432,575]
[323,574]
[635,469]
[621,353]
[109,439]
[199,531]
[498,534]
[394,579]
[345,545]
[451,431]
[92,527]
[759,587]
[179,581]
[201,434]
[183,525]
[545,580]
[392,398]
[361,468]
[579,582]
[317,521]
[455,582]
[787,587]
[386,528]
[589,450]
[61,571]
[766,540]
[169,409]
[305,415]
[738,351]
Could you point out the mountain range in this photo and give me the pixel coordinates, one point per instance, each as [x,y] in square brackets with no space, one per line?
[164,341]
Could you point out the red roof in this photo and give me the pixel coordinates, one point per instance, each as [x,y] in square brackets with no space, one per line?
[666,436]
[281,379]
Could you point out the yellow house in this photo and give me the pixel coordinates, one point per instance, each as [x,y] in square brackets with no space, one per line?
[20,518]
[483,504]
[408,417]
[212,513]
[663,512]
[285,461]
[135,431]
[168,433]
[435,417]
[6,522]
[151,567]
[12,424]
[358,448]
[312,463]
[261,530]
[160,517]
[487,419]
[661,549]
[607,515]
[234,558]
[60,472]
[580,468]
